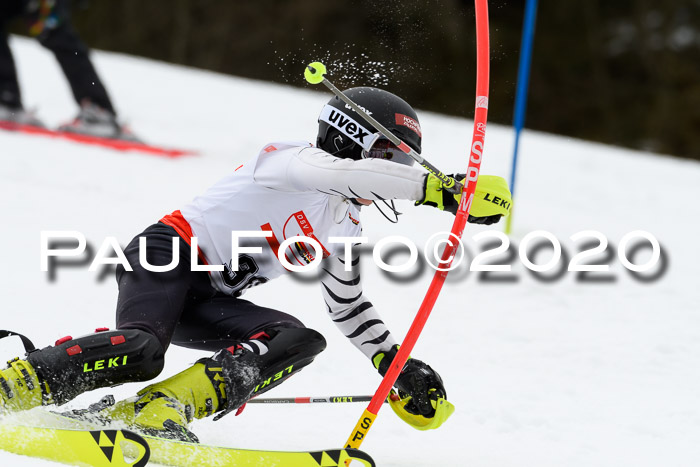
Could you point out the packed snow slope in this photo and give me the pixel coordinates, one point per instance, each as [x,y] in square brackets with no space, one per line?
[552,373]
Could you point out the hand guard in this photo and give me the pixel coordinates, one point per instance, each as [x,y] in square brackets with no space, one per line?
[422,399]
[491,200]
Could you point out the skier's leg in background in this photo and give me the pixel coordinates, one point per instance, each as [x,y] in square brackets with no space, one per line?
[97,116]
[10,95]
[11,109]
[57,34]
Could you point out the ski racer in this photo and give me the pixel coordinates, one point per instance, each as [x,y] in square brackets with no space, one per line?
[49,22]
[289,189]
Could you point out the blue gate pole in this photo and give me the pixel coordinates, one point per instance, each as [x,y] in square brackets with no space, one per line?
[521,92]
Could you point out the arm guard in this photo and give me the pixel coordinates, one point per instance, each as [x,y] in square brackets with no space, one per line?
[350,310]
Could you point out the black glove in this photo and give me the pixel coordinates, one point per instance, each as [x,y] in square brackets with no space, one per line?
[417,379]
[488,220]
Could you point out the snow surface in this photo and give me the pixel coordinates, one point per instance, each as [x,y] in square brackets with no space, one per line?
[561,373]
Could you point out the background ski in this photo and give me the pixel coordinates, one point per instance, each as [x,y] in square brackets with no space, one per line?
[109,447]
[112,143]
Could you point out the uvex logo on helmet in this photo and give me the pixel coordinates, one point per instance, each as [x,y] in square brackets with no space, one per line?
[405,120]
[347,125]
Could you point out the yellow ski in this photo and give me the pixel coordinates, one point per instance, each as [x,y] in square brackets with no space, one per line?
[109,448]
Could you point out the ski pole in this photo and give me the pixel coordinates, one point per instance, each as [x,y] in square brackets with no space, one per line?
[314,74]
[475,156]
[310,400]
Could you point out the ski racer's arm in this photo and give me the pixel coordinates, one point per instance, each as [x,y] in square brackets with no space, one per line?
[421,399]
[350,310]
[313,169]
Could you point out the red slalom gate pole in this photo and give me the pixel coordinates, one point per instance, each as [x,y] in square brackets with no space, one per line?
[475,157]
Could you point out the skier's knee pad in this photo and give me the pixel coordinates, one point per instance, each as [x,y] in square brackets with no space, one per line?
[262,362]
[288,351]
[102,359]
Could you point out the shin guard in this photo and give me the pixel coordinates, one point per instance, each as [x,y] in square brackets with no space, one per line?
[246,373]
[289,350]
[103,359]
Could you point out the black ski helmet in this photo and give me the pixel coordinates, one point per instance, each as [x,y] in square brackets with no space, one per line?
[346,134]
